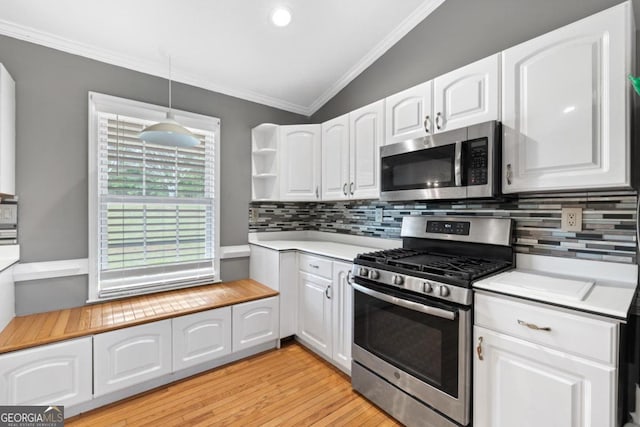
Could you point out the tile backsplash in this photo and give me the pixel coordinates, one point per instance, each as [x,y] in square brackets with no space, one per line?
[608,221]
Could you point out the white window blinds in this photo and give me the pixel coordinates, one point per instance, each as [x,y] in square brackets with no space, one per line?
[156,209]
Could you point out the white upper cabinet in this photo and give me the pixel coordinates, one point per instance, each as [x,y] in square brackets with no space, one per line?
[366,131]
[463,97]
[566,106]
[467,96]
[408,113]
[7,133]
[300,154]
[335,159]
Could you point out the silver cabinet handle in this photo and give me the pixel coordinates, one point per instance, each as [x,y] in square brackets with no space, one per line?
[351,188]
[326,292]
[509,173]
[314,266]
[317,193]
[479,349]
[533,326]
[349,278]
[344,189]
[426,124]
[438,120]
[434,311]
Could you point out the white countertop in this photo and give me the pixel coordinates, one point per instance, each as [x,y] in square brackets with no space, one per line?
[339,246]
[9,255]
[611,294]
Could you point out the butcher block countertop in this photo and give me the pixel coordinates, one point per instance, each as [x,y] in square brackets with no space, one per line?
[44,328]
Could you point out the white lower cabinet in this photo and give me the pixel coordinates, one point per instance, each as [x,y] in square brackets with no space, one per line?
[325,308]
[53,374]
[129,356]
[520,382]
[314,312]
[255,322]
[342,315]
[201,337]
[278,270]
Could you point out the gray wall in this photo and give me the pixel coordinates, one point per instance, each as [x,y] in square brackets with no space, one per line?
[458,33]
[51,157]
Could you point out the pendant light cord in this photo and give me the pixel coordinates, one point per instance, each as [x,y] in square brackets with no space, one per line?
[170,86]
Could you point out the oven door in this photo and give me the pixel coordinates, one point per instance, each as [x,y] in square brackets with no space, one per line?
[416,344]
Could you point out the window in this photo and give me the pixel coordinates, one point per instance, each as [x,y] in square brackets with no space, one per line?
[152,209]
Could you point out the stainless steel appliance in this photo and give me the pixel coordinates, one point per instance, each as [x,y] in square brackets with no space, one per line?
[412,316]
[459,164]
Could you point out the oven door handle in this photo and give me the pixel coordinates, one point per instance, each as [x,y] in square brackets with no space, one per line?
[445,314]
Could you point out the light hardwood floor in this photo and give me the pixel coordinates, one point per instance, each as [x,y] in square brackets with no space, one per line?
[290,386]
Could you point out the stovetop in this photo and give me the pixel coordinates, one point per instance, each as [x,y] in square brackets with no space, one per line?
[435,265]
[440,257]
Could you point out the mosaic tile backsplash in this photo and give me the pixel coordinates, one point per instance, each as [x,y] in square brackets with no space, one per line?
[608,221]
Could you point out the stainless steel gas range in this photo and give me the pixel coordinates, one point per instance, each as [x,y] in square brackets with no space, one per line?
[412,316]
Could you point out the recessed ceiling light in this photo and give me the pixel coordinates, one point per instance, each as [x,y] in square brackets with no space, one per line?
[281,17]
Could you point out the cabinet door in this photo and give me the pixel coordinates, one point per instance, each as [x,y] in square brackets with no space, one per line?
[7,132]
[408,114]
[300,162]
[342,315]
[254,323]
[314,315]
[527,385]
[131,356]
[335,158]
[288,293]
[566,106]
[201,337]
[55,374]
[366,130]
[467,96]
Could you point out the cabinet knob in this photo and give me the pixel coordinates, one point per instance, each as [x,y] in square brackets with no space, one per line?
[426,124]
[326,292]
[438,120]
[509,173]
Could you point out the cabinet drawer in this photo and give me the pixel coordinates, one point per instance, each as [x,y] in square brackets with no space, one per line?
[315,265]
[568,331]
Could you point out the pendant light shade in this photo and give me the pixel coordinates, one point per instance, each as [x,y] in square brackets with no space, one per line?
[169,132]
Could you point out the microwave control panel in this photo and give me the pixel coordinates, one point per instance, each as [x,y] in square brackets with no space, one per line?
[477,161]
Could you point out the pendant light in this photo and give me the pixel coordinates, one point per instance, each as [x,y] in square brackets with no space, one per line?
[169,132]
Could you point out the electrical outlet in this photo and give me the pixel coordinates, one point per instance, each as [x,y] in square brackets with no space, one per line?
[379,214]
[571,219]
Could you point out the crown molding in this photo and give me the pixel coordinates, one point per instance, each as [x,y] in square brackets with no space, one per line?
[43,38]
[398,33]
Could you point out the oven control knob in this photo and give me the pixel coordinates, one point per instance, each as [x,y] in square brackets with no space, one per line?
[444,291]
[363,272]
[397,280]
[427,287]
[373,274]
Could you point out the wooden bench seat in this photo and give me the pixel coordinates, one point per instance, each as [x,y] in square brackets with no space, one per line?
[44,328]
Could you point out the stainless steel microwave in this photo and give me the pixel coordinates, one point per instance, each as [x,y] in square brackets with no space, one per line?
[459,164]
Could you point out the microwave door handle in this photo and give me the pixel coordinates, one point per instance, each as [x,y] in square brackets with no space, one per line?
[457,166]
[434,311]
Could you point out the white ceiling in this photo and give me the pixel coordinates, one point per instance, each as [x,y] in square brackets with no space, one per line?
[228,46]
